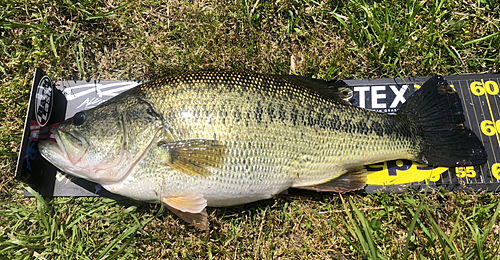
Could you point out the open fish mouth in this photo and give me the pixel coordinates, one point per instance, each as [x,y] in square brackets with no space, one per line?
[59,155]
[50,149]
[72,144]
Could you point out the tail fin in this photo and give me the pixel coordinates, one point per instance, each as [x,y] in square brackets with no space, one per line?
[437,115]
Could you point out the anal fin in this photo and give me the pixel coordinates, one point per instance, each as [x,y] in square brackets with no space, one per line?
[354,179]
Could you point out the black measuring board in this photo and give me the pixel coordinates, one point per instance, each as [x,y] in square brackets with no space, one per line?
[479,93]
[480,101]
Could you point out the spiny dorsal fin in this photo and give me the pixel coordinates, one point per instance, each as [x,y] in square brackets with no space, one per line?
[192,157]
[336,90]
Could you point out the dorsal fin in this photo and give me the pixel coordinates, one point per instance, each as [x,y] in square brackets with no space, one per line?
[336,90]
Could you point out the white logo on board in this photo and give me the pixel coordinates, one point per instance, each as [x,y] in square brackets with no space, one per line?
[43,100]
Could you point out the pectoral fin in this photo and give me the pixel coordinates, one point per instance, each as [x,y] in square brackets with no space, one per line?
[192,157]
[354,179]
[189,208]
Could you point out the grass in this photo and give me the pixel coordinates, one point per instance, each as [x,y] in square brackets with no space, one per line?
[325,39]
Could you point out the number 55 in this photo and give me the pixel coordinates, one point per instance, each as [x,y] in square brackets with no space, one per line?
[465,172]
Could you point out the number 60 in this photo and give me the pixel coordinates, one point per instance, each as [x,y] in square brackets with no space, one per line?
[490,128]
[490,87]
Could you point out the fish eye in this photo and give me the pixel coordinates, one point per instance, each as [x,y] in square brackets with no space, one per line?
[79,118]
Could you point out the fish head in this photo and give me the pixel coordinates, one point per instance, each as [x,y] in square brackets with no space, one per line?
[104,143]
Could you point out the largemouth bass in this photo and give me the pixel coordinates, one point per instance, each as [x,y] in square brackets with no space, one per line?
[225,138]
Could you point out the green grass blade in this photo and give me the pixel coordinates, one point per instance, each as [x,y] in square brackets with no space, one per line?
[479,238]
[367,231]
[491,224]
[361,252]
[37,196]
[110,12]
[456,226]
[482,39]
[52,45]
[475,236]
[79,59]
[443,239]
[9,25]
[450,52]
[128,234]
[412,226]
[71,33]
[353,226]
[42,207]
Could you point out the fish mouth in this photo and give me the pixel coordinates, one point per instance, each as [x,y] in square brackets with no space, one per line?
[72,144]
[63,157]
[52,149]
